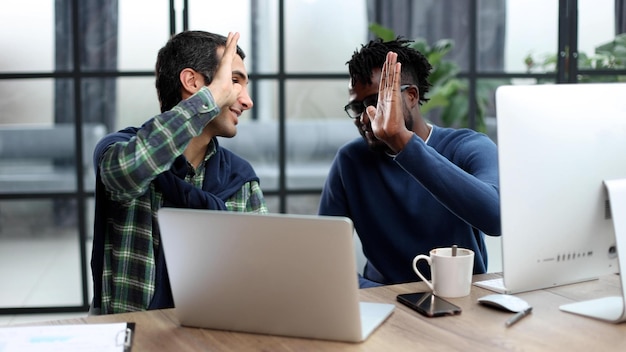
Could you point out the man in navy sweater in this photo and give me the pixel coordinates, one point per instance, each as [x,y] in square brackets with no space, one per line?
[408,186]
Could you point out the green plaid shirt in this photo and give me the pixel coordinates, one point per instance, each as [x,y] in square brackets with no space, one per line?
[127,169]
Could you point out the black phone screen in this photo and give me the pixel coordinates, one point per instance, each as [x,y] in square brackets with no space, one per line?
[428,304]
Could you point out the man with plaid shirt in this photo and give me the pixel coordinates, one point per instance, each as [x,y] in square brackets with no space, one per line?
[173,159]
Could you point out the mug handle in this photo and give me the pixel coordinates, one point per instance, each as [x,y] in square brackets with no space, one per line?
[426,258]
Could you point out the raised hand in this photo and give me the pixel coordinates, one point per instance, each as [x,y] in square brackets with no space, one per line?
[222,87]
[387,119]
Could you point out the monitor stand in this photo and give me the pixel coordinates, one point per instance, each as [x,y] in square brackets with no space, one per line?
[611,309]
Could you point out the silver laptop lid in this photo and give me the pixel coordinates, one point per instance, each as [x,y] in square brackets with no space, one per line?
[292,275]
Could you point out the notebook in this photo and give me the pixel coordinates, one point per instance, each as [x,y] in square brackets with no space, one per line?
[276,274]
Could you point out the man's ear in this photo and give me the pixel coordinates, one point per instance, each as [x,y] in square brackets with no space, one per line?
[414,94]
[191,81]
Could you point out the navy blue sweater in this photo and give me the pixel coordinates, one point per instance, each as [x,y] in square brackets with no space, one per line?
[428,196]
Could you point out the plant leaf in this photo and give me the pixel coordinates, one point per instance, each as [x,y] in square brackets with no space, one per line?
[384,33]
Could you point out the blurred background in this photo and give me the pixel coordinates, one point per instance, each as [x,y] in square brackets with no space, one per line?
[73,70]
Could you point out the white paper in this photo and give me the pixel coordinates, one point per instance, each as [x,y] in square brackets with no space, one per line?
[67,338]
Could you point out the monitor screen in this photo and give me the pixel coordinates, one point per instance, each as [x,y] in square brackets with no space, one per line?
[557,143]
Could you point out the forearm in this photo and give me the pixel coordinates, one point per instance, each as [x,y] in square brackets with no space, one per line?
[471,192]
[128,166]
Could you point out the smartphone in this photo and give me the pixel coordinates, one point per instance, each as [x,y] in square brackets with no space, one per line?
[426,303]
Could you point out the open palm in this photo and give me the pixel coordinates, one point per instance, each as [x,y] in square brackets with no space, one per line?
[387,119]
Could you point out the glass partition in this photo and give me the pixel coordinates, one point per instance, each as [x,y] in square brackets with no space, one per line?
[32,50]
[39,255]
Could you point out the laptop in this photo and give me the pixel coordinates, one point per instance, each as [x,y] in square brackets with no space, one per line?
[276,274]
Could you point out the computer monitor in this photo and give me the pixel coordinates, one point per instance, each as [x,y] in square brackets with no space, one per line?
[557,145]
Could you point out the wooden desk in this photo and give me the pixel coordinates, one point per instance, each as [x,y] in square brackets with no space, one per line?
[478,328]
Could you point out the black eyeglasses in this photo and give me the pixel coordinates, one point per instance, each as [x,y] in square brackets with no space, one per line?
[356,108]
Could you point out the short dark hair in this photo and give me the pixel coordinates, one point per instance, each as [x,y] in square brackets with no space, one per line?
[415,66]
[189,49]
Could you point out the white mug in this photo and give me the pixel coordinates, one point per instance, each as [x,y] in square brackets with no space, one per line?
[451,272]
